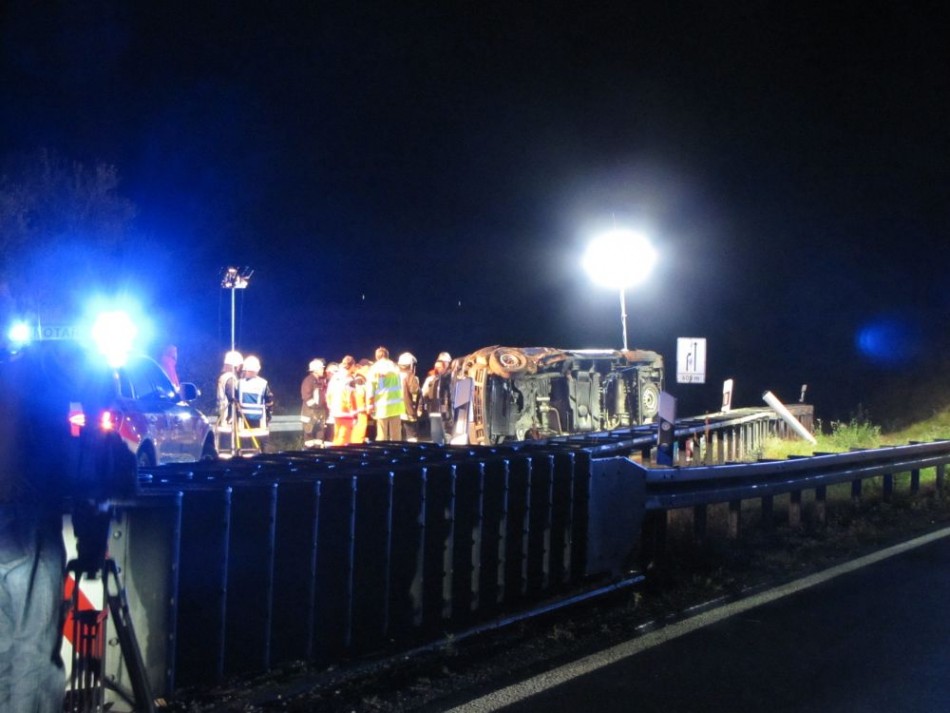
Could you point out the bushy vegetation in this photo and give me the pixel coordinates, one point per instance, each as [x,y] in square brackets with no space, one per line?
[859,432]
[834,437]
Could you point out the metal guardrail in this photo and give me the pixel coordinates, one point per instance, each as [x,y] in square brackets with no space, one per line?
[239,565]
[286,423]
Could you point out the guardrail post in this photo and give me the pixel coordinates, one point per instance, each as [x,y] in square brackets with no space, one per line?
[941,471]
[795,509]
[699,522]
[915,481]
[887,487]
[768,512]
[653,540]
[856,492]
[735,518]
[821,500]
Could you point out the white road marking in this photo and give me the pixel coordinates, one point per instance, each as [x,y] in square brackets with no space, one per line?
[531,686]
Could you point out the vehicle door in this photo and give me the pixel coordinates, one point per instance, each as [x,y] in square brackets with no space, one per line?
[155,401]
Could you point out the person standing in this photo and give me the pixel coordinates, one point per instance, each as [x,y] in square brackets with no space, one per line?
[226,397]
[256,403]
[437,398]
[386,397]
[361,394]
[313,407]
[169,363]
[341,399]
[410,396]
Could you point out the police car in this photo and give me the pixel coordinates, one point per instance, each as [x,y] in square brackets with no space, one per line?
[137,400]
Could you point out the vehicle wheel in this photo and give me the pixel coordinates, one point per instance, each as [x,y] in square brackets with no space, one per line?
[209,452]
[649,400]
[145,458]
[507,362]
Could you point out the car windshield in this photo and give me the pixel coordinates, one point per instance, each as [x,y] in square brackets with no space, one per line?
[142,378]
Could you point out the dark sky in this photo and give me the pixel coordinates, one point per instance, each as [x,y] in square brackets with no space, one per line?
[426,174]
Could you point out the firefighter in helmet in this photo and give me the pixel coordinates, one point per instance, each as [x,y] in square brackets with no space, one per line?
[226,394]
[256,403]
[313,407]
[436,399]
[410,396]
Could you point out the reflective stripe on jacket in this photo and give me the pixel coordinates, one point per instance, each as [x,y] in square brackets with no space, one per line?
[252,393]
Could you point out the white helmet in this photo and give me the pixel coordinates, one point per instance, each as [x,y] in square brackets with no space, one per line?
[252,363]
[406,359]
[233,358]
[444,356]
[316,365]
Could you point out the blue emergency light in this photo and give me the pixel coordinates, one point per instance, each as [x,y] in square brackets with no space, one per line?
[113,334]
[19,335]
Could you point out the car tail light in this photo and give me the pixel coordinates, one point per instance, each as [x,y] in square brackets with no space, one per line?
[108,420]
[77,419]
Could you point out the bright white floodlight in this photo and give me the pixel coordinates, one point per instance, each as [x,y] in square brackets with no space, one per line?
[620,259]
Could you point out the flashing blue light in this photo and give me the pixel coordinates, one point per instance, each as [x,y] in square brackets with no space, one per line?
[889,341]
[19,334]
[115,326]
[114,334]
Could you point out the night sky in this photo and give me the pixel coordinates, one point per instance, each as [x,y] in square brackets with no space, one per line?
[427,175]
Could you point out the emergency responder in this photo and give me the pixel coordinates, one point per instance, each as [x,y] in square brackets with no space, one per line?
[313,407]
[227,399]
[361,389]
[386,400]
[255,404]
[410,396]
[332,368]
[341,400]
[169,362]
[437,398]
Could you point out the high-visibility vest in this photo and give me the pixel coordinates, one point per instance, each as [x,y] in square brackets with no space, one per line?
[251,396]
[341,399]
[387,395]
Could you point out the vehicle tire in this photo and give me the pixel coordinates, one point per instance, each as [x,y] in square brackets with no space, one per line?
[209,452]
[649,400]
[507,362]
[145,458]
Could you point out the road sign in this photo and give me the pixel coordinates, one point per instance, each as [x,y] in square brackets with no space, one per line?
[691,360]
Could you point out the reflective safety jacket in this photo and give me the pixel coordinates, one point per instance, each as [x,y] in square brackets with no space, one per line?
[386,392]
[226,395]
[341,397]
[256,400]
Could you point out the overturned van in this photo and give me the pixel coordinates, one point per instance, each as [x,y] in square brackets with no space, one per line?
[515,394]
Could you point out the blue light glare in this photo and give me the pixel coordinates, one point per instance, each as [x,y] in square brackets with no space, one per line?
[19,334]
[116,328]
[114,335]
[888,341]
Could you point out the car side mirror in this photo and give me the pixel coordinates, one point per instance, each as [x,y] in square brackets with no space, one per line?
[188,391]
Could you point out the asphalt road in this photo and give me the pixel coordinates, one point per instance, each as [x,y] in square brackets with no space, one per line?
[870,635]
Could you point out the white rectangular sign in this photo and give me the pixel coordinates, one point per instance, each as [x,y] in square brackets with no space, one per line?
[691,360]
